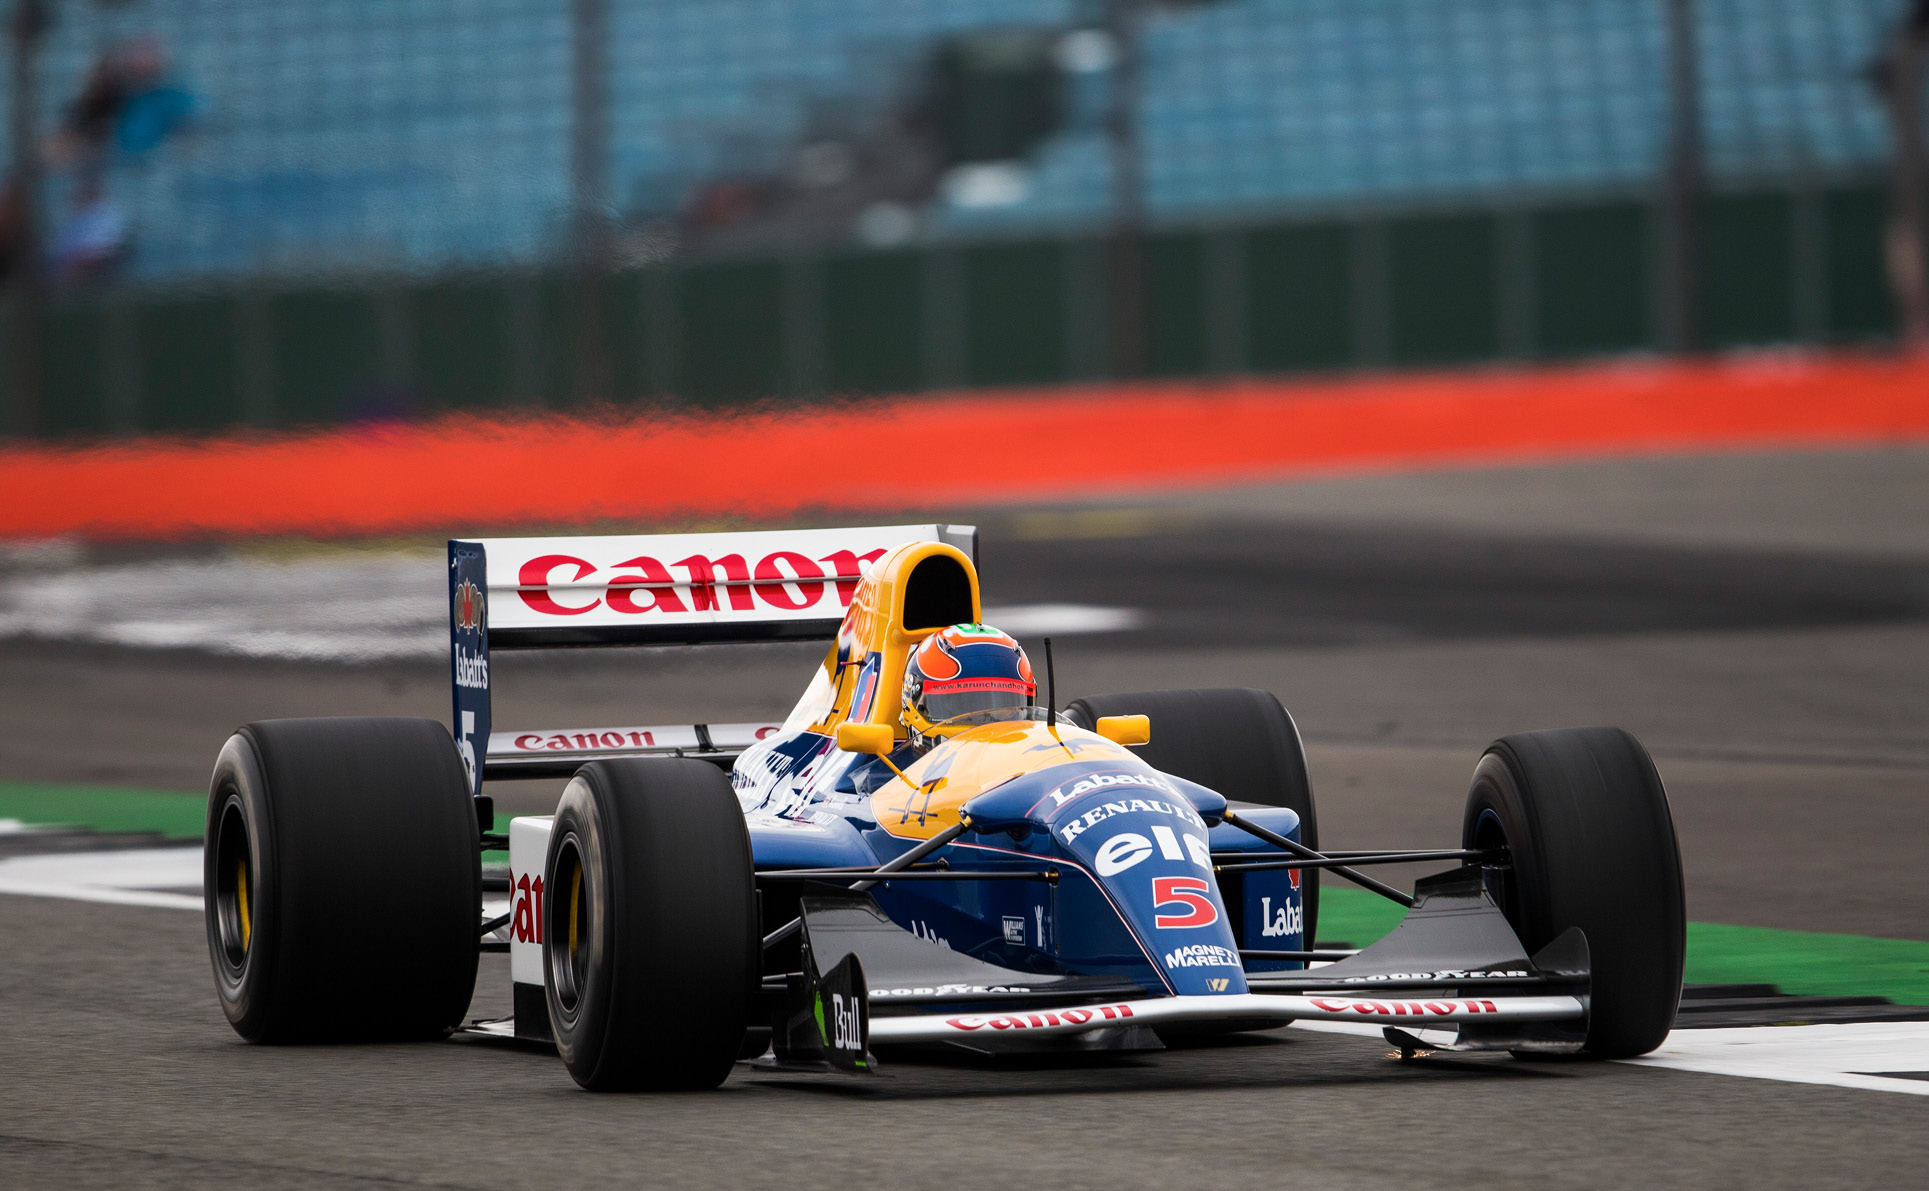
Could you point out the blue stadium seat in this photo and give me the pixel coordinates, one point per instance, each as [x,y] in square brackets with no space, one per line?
[428,134]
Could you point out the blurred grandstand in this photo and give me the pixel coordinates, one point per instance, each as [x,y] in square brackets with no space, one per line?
[366,209]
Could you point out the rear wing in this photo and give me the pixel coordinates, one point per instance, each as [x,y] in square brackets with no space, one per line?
[657,589]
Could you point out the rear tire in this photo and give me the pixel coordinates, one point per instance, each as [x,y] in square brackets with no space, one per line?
[343,878]
[1239,742]
[1586,818]
[650,952]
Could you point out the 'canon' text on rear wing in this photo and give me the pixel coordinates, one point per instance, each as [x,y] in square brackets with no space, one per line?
[658,589]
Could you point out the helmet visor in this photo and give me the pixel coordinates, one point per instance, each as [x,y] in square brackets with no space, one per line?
[942,701]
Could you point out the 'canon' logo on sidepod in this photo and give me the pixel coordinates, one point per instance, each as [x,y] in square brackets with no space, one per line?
[783,579]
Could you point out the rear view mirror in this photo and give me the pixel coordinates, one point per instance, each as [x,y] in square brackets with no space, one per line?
[875,739]
[1119,729]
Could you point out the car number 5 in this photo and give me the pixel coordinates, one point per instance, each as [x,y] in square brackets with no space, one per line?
[1190,892]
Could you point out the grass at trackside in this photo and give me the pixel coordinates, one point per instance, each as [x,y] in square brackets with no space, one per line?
[105,808]
[1354,916]
[1798,961]
[1806,962]
[1802,962]
[114,808]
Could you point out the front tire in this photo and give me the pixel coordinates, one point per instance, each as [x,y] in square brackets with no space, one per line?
[1584,814]
[343,877]
[650,949]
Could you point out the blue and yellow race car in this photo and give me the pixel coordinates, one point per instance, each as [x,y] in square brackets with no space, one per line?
[922,854]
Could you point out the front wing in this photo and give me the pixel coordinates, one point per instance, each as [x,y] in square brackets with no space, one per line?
[1239,1007]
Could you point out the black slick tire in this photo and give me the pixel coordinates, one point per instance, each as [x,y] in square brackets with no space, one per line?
[1237,741]
[1584,814]
[343,879]
[650,952]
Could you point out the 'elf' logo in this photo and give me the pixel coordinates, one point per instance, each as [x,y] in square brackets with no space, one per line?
[528,924]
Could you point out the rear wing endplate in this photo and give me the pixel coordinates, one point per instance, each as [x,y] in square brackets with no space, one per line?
[655,589]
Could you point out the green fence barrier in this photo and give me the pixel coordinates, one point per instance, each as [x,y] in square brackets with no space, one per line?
[1555,280]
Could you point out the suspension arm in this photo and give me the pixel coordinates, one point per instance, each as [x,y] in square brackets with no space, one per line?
[1305,853]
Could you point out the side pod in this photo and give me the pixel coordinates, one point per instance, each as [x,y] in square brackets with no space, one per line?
[528,846]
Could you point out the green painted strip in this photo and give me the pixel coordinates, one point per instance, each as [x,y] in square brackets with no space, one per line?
[113,808]
[105,808]
[1354,916]
[1802,962]
[1809,963]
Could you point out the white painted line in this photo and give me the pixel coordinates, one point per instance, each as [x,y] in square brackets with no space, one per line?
[152,898]
[338,608]
[1342,1027]
[132,877]
[1844,1056]
[1062,619]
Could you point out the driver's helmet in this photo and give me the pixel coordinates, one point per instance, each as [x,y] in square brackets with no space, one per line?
[962,669]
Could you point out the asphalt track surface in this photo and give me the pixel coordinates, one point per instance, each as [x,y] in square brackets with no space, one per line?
[1762,622]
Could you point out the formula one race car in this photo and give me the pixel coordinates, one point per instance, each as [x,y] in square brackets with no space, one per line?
[919,854]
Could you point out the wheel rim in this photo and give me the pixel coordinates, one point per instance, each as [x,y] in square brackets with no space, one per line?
[235,888]
[570,932]
[1490,832]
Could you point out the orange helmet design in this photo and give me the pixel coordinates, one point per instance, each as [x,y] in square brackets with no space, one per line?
[962,669]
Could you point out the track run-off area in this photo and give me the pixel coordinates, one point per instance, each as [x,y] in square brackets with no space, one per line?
[1758,617]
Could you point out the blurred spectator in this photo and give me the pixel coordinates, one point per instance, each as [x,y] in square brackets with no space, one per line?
[127,105]
[125,109]
[93,240]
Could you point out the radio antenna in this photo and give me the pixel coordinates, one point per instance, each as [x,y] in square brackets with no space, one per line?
[1051,687]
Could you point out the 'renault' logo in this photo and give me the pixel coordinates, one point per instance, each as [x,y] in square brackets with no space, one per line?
[468,607]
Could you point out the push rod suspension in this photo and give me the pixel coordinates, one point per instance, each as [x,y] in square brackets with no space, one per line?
[1328,956]
[1393,855]
[1482,857]
[920,852]
[900,863]
[1305,853]
[783,932]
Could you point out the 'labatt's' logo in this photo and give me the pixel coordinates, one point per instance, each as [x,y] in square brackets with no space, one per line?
[1099,781]
[471,668]
[1278,922]
[782,579]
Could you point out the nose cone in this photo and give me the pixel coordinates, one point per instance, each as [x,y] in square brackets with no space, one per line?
[1146,844]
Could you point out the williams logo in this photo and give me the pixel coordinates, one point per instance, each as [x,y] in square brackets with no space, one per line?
[469,608]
